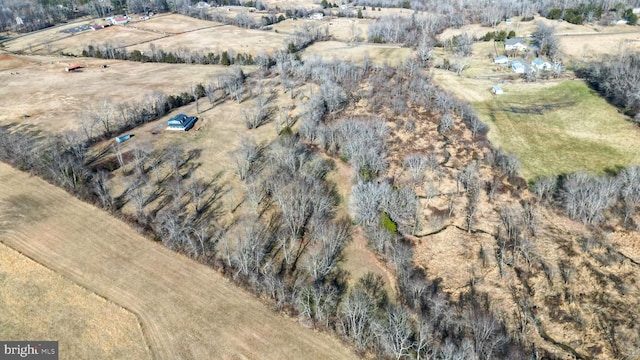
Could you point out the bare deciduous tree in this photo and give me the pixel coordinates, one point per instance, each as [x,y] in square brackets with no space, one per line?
[357,315]
[416,164]
[395,332]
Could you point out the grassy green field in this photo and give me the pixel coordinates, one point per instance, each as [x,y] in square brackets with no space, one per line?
[560,128]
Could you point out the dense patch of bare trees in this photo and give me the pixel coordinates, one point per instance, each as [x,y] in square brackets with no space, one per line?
[593,199]
[25,16]
[488,13]
[410,31]
[617,77]
[306,35]
[547,41]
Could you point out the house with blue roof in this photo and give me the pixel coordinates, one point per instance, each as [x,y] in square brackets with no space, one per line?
[541,64]
[519,67]
[181,122]
[501,60]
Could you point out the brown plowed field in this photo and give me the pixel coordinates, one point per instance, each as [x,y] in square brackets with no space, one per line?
[186,309]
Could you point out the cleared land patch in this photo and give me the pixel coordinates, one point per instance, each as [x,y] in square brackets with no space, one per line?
[118,36]
[219,39]
[379,53]
[173,24]
[37,303]
[168,32]
[54,99]
[186,309]
[557,129]
[340,29]
[590,46]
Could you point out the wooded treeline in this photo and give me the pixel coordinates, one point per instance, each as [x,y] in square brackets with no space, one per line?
[489,13]
[617,78]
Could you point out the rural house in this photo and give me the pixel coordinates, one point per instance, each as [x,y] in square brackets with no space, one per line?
[501,60]
[118,20]
[515,44]
[520,67]
[181,122]
[541,64]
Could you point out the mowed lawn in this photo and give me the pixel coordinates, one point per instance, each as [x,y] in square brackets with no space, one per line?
[560,128]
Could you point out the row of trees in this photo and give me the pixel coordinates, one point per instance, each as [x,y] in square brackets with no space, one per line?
[591,12]
[306,35]
[180,56]
[489,13]
[105,119]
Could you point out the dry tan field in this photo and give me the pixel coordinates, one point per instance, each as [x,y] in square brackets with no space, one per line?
[37,39]
[55,99]
[219,39]
[577,42]
[118,36]
[186,310]
[173,24]
[590,47]
[53,42]
[37,303]
[168,32]
[217,133]
[289,26]
[344,29]
[378,53]
[526,28]
[341,29]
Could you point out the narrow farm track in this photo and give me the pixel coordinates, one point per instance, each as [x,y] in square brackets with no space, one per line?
[187,310]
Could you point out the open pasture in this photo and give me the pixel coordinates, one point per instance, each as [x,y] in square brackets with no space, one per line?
[377,53]
[168,32]
[118,36]
[557,128]
[349,29]
[173,24]
[187,310]
[590,47]
[340,29]
[219,39]
[54,100]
